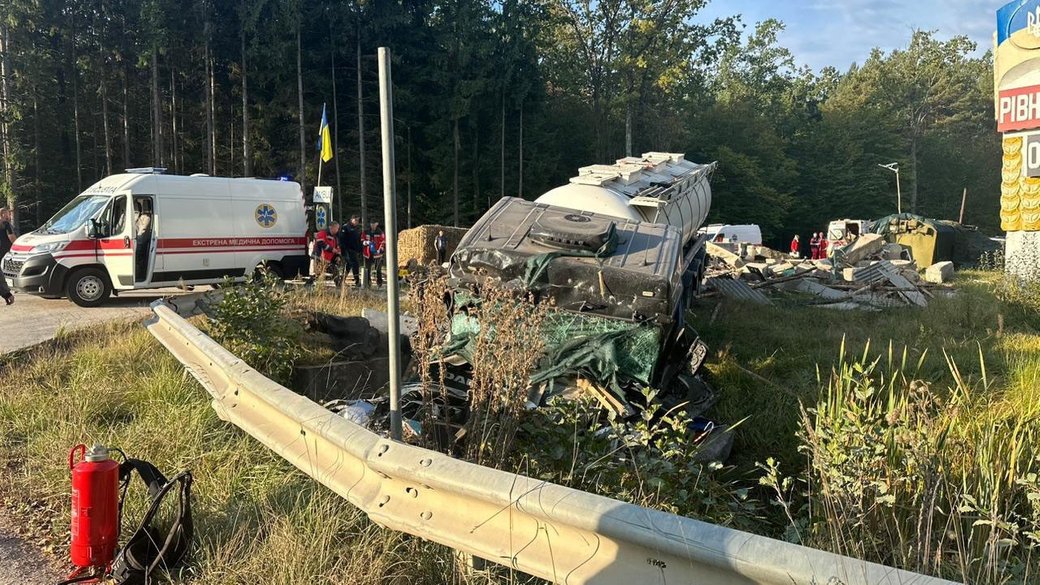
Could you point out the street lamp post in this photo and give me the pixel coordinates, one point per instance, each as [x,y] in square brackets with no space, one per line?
[894,167]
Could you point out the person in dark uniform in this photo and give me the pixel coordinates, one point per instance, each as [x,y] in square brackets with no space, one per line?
[350,247]
[7,239]
[440,243]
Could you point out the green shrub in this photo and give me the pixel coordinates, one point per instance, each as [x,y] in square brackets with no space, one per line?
[249,322]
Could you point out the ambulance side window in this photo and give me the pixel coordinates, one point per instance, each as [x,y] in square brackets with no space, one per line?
[118,215]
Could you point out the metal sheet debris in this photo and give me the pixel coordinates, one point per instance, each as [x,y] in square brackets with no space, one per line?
[738,289]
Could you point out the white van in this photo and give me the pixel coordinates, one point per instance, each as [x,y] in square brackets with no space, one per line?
[841,232]
[725,233]
[144,229]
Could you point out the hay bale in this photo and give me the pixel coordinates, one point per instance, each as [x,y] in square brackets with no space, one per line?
[417,243]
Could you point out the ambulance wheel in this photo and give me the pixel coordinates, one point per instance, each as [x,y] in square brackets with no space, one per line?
[88,287]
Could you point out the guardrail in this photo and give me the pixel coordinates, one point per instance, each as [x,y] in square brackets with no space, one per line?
[543,529]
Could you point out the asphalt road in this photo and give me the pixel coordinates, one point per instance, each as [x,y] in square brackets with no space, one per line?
[22,563]
[31,319]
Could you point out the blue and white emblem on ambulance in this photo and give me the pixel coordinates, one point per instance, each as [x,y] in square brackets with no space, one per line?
[266,215]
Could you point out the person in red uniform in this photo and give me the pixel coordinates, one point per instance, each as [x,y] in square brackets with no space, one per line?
[814,246]
[326,243]
[373,247]
[795,246]
[823,246]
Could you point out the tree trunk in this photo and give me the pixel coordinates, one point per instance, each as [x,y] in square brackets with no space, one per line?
[361,132]
[126,118]
[175,154]
[247,155]
[299,91]
[213,140]
[335,125]
[157,150]
[913,174]
[211,152]
[103,90]
[410,178]
[75,118]
[502,153]
[5,109]
[597,124]
[628,128]
[36,155]
[455,173]
[520,157]
[231,147]
[476,173]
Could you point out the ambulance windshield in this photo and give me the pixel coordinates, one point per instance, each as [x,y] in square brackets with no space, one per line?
[75,214]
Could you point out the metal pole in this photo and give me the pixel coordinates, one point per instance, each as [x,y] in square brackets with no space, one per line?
[386,116]
[899,194]
[964,200]
[409,208]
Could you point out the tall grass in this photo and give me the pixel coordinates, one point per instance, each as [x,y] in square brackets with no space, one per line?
[257,519]
[940,480]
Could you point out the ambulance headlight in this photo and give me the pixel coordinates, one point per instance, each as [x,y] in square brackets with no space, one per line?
[52,247]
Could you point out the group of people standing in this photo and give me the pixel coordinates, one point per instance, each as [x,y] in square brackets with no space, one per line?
[818,245]
[346,247]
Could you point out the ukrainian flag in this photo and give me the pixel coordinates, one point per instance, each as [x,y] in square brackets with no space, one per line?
[324,137]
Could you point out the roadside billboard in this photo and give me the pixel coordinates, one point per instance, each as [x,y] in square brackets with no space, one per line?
[1016,84]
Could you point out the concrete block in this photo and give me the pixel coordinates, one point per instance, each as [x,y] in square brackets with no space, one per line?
[723,254]
[757,268]
[904,264]
[939,272]
[894,251]
[864,247]
[347,380]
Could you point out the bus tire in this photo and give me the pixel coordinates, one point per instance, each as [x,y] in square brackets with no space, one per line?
[88,287]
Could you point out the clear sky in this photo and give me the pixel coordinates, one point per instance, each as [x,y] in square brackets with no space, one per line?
[840,32]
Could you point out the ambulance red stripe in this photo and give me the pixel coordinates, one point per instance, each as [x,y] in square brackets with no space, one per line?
[232,250]
[61,256]
[197,245]
[231,242]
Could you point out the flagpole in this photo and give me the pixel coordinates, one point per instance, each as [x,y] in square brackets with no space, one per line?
[321,144]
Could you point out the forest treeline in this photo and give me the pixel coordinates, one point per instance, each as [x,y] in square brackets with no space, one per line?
[492,98]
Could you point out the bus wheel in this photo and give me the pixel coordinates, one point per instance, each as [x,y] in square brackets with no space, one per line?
[88,287]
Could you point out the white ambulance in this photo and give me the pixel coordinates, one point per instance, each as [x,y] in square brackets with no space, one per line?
[144,229]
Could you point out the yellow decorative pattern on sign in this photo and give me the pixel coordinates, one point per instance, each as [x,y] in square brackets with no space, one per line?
[1019,196]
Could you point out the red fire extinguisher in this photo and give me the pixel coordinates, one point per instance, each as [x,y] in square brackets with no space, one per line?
[95,507]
